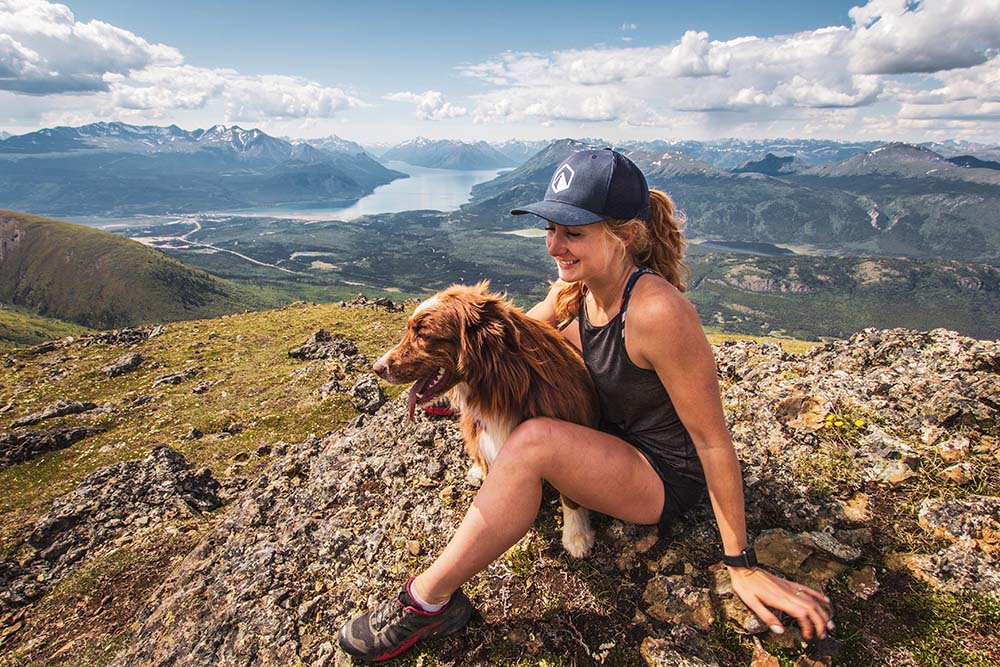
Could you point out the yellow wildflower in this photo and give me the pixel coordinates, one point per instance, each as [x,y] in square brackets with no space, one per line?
[838,423]
[859,422]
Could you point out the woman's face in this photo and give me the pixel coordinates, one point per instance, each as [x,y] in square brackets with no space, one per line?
[581,252]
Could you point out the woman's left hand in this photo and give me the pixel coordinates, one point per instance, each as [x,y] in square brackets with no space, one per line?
[762,592]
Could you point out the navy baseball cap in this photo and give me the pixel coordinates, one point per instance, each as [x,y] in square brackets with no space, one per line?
[591,186]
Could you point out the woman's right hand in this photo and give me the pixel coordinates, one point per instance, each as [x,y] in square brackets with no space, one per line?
[763,591]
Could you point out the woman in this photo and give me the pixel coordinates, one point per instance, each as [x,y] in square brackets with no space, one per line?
[618,249]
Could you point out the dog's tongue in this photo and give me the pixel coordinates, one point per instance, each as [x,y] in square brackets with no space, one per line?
[418,387]
[411,406]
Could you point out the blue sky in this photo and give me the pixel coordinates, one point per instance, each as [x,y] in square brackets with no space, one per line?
[375,71]
[373,45]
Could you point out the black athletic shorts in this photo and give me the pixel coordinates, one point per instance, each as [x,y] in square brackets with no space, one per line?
[680,492]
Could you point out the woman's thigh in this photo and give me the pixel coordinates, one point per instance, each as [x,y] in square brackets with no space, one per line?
[595,469]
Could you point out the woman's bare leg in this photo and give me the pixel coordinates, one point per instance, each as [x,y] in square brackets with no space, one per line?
[597,470]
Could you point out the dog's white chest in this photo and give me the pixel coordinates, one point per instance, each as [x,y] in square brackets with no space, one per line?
[493,431]
[492,437]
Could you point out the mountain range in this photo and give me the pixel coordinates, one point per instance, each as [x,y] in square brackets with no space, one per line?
[896,199]
[115,168]
[973,162]
[448,154]
[519,150]
[333,144]
[734,153]
[893,200]
[772,165]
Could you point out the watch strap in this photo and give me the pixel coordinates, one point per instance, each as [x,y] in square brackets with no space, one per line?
[746,558]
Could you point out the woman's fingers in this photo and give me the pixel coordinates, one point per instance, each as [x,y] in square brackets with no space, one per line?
[822,599]
[809,607]
[822,613]
[810,615]
[765,614]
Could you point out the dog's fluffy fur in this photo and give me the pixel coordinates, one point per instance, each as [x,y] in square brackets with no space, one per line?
[501,367]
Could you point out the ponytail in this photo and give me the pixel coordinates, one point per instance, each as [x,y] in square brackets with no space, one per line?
[662,247]
[656,243]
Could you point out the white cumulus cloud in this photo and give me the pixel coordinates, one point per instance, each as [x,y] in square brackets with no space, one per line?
[45,50]
[950,47]
[430,104]
[899,36]
[242,97]
[695,56]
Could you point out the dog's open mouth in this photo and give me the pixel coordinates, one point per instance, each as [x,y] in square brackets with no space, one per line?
[429,389]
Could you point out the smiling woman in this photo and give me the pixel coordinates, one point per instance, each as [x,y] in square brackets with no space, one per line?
[661,441]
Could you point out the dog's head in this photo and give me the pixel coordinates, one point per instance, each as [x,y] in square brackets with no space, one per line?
[444,340]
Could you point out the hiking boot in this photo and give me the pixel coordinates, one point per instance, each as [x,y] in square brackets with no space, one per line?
[390,629]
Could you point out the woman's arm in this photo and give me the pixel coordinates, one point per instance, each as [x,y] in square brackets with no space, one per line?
[545,311]
[664,333]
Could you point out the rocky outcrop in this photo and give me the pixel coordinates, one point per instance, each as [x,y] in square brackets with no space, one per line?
[123,364]
[366,394]
[336,524]
[124,498]
[178,377]
[379,303]
[845,451]
[320,533]
[874,417]
[323,345]
[25,444]
[57,409]
[129,336]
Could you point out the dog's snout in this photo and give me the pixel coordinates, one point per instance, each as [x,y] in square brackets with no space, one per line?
[381,367]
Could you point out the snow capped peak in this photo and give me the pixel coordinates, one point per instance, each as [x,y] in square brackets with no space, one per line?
[900,149]
[416,142]
[332,144]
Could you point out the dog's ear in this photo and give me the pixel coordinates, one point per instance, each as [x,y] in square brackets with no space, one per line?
[486,326]
[468,312]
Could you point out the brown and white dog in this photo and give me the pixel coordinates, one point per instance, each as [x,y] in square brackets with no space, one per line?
[501,368]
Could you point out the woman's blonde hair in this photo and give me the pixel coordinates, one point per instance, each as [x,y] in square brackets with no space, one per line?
[656,243]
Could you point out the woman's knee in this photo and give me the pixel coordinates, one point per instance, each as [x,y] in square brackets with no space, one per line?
[535,439]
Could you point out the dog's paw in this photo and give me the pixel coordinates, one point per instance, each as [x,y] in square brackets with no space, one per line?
[577,535]
[475,476]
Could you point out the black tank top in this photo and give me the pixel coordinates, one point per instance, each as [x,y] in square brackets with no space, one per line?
[634,404]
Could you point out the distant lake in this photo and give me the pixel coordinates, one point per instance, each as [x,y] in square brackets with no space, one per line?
[747,248]
[426,188]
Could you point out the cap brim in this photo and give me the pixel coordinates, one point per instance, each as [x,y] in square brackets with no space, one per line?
[560,213]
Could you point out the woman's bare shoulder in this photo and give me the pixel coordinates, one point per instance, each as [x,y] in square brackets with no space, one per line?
[655,302]
[545,310]
[662,322]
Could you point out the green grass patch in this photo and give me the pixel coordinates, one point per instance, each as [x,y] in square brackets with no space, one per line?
[20,328]
[789,345]
[942,629]
[272,396]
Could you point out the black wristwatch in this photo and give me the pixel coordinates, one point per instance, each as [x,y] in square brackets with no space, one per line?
[747,559]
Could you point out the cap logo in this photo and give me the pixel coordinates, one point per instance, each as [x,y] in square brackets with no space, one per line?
[563,178]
